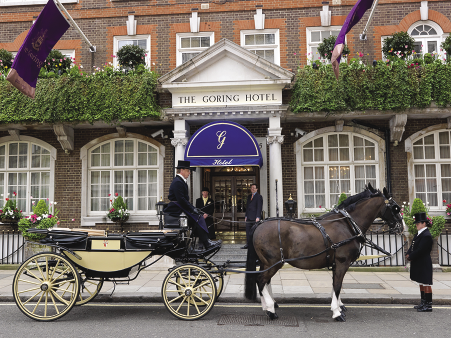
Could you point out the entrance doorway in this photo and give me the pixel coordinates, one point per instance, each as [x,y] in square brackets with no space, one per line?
[229,188]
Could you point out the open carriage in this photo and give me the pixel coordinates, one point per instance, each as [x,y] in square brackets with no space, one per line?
[47,285]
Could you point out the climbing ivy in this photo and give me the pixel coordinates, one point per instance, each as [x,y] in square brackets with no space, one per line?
[396,85]
[106,95]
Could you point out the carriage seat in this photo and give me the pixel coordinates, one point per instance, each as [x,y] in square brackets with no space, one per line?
[64,238]
[173,222]
[150,240]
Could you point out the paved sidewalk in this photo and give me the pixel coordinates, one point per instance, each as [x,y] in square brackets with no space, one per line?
[288,285]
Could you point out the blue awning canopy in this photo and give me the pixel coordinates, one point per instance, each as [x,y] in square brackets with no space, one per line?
[223,143]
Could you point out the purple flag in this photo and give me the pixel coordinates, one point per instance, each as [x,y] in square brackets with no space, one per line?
[353,17]
[43,35]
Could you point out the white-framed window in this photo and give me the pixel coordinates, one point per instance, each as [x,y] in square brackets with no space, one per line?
[191,44]
[31,2]
[334,163]
[315,36]
[428,37]
[127,167]
[27,169]
[142,41]
[431,168]
[263,42]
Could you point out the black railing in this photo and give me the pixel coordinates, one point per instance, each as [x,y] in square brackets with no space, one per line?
[12,247]
[391,242]
[444,242]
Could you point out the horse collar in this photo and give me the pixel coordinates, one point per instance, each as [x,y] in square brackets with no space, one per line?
[356,228]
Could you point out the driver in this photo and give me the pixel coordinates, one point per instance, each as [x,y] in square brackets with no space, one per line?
[179,197]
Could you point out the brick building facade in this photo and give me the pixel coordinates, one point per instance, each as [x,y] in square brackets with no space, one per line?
[291,27]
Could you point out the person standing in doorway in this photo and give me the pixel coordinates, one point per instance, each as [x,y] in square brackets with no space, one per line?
[419,255]
[206,204]
[253,214]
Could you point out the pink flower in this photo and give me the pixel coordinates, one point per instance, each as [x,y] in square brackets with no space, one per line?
[58,222]
[320,206]
[47,199]
[294,53]
[61,60]
[53,59]
[73,219]
[405,46]
[109,194]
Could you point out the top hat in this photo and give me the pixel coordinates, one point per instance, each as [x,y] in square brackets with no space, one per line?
[421,217]
[184,165]
[205,189]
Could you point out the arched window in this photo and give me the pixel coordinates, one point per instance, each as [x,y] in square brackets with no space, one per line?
[27,169]
[428,37]
[335,163]
[431,168]
[127,167]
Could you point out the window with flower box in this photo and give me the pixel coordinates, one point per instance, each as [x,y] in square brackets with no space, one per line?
[335,163]
[431,168]
[428,36]
[126,166]
[191,44]
[315,36]
[27,169]
[142,41]
[265,43]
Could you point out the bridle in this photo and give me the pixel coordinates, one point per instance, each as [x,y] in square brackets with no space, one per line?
[389,215]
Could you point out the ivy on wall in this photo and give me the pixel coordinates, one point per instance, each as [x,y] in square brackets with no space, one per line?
[107,95]
[394,85]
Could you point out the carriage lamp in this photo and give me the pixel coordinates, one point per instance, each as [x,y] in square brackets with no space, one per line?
[290,205]
[160,206]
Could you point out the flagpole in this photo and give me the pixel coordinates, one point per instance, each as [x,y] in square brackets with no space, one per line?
[363,35]
[92,48]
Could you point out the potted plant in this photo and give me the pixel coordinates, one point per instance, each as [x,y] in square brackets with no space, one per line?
[41,218]
[326,48]
[10,213]
[438,222]
[118,212]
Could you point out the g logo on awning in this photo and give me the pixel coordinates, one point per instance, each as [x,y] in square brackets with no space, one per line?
[221,138]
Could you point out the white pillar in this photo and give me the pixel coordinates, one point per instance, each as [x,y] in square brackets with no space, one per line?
[275,140]
[181,133]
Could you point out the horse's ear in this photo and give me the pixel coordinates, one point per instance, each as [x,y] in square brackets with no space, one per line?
[386,193]
[370,187]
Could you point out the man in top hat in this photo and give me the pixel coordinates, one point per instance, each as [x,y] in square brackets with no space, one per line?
[419,255]
[179,202]
[207,205]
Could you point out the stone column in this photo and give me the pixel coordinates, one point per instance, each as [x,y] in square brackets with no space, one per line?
[180,140]
[275,140]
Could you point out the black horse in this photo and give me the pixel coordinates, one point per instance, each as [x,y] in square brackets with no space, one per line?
[332,240]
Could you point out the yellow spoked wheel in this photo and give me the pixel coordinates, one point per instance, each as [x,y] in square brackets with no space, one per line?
[189,292]
[217,277]
[46,286]
[89,289]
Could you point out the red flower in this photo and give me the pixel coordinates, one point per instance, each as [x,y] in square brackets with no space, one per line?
[116,194]
[444,201]
[14,193]
[7,198]
[320,206]
[109,195]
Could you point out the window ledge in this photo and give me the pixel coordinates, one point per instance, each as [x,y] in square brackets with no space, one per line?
[33,3]
[90,221]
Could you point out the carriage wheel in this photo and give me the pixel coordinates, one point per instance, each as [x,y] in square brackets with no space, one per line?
[187,286]
[46,286]
[218,277]
[89,288]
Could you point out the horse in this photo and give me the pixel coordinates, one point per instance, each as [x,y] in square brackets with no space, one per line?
[331,240]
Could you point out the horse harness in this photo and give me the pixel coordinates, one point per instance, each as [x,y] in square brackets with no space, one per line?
[329,244]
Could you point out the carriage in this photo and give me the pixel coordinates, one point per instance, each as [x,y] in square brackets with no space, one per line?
[47,285]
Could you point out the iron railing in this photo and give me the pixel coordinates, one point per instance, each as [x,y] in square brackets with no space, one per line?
[391,242]
[12,248]
[444,242]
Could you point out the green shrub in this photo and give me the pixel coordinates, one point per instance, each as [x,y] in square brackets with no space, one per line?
[417,206]
[56,63]
[446,46]
[130,56]
[438,222]
[6,61]
[326,48]
[40,208]
[342,197]
[400,45]
[118,211]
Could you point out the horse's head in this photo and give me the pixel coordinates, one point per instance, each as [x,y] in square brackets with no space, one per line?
[391,213]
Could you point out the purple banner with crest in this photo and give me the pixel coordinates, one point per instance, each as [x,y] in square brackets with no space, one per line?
[353,17]
[43,35]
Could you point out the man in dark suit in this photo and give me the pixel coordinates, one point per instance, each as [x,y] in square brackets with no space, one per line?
[179,202]
[207,205]
[419,255]
[254,207]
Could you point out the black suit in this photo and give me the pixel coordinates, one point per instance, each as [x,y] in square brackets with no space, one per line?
[209,209]
[420,258]
[254,207]
[178,192]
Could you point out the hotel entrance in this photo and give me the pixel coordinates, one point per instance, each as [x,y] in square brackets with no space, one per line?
[229,187]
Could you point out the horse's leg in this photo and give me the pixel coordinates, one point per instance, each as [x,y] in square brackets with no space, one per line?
[338,276]
[267,300]
[276,306]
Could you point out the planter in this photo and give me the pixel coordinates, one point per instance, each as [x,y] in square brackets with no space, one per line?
[33,248]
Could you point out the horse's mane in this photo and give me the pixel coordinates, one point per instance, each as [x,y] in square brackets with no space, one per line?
[350,203]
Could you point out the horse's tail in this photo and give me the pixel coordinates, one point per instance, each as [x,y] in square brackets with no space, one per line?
[250,281]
